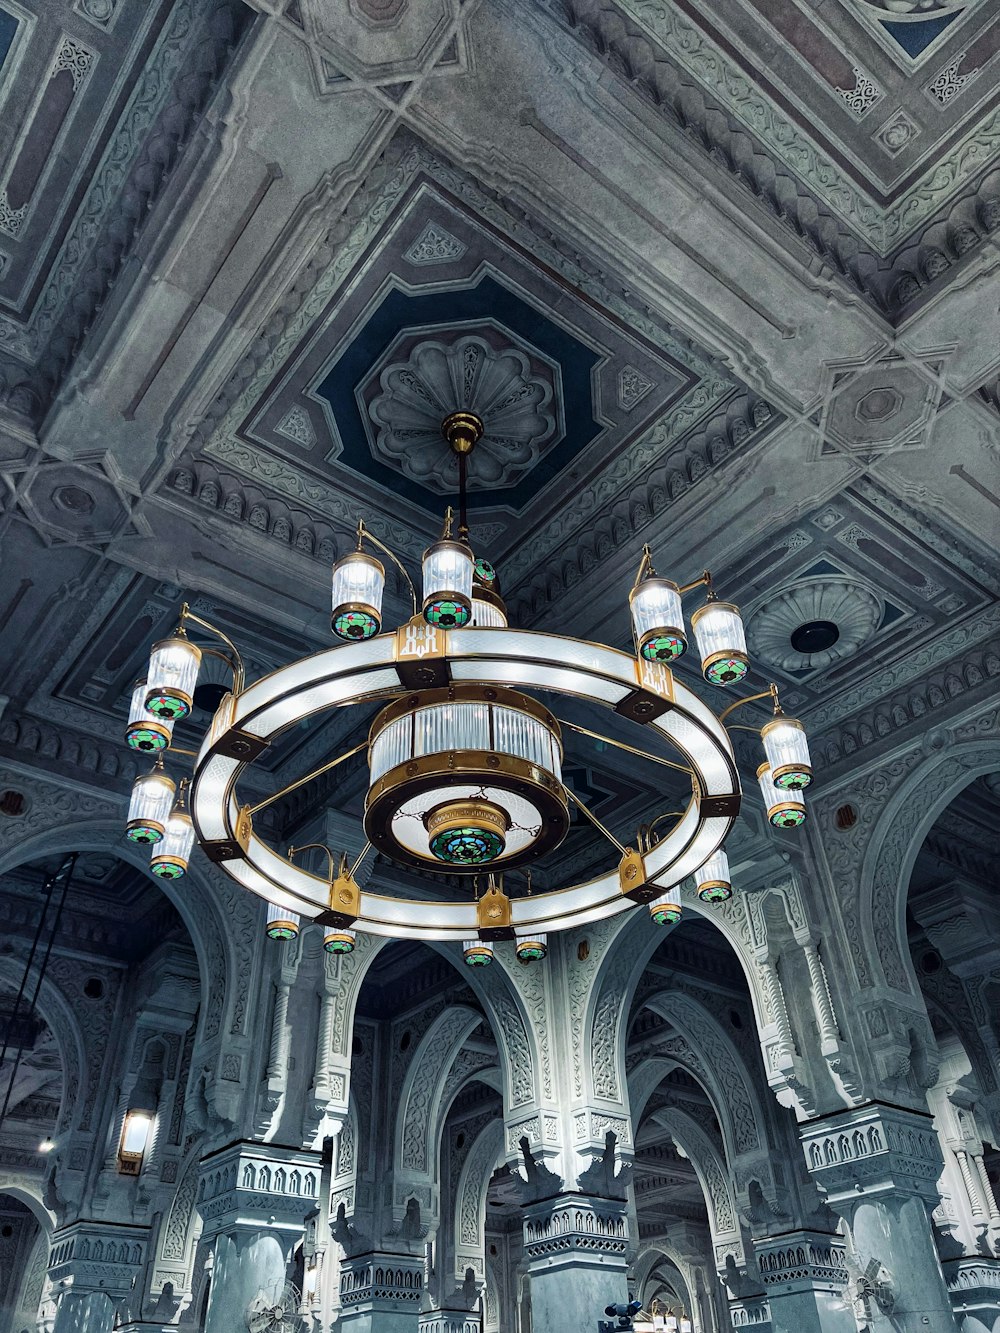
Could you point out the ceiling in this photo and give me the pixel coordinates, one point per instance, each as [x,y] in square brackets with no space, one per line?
[707,271]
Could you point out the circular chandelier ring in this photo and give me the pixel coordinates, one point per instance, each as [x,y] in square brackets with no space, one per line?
[414,658]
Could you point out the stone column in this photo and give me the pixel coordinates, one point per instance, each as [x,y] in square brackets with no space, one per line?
[576,1255]
[878,1167]
[805,1275]
[381,1293]
[92,1266]
[253,1198]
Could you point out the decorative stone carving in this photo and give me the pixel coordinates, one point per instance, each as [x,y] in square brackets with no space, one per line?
[852,607]
[434,245]
[897,132]
[509,389]
[633,386]
[863,96]
[559,1228]
[874,1146]
[297,426]
[257,1186]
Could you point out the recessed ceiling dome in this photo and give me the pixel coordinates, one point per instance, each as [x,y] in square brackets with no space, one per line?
[795,630]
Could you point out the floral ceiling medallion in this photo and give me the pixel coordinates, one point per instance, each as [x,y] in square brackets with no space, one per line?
[853,608]
[514,394]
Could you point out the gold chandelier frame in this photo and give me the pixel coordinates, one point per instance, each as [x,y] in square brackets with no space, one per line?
[419,657]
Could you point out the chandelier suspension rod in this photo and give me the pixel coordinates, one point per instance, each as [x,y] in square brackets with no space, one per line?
[593,819]
[239,674]
[360,857]
[631,749]
[309,777]
[367,533]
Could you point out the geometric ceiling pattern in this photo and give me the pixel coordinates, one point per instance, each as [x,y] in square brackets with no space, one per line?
[707,271]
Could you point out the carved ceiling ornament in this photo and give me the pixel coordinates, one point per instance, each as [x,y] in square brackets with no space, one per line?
[512,395]
[852,607]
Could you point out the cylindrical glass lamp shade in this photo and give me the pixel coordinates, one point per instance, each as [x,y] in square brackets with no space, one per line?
[785,809]
[658,619]
[170,860]
[531,947]
[477,953]
[447,569]
[281,924]
[358,585]
[488,609]
[722,643]
[666,910]
[787,752]
[464,777]
[172,675]
[150,806]
[685,1325]
[712,880]
[145,732]
[340,941]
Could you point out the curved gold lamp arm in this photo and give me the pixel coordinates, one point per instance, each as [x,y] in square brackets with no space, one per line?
[770,693]
[317,847]
[363,532]
[239,672]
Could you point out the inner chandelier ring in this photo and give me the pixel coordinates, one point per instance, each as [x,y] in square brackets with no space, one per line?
[389,666]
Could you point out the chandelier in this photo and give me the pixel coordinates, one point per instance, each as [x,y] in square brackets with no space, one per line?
[464,760]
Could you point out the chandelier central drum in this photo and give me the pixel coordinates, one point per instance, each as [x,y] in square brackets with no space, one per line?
[465,764]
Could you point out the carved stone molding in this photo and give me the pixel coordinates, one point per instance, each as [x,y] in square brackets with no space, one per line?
[256,1186]
[565,1232]
[873,1150]
[510,388]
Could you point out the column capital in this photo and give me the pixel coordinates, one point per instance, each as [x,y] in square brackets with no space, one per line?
[98,1256]
[381,1283]
[800,1261]
[571,1230]
[873,1150]
[250,1186]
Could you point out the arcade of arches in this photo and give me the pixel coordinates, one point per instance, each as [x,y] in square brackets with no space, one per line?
[721,278]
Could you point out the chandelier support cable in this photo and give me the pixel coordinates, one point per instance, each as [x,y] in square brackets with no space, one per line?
[309,777]
[630,749]
[359,858]
[595,821]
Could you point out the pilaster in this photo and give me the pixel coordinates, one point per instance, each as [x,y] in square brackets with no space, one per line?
[381,1293]
[878,1167]
[92,1267]
[805,1276]
[576,1252]
[253,1199]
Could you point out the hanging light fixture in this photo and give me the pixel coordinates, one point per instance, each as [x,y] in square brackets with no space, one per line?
[785,809]
[718,629]
[465,776]
[172,676]
[488,608]
[787,751]
[477,953]
[657,614]
[358,585]
[464,762]
[150,805]
[666,909]
[145,731]
[340,941]
[712,880]
[281,924]
[531,947]
[171,856]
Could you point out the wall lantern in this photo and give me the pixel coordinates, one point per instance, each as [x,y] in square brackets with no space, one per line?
[134,1139]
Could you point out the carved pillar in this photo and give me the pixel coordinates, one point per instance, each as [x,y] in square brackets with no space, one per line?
[805,1275]
[576,1255]
[878,1167]
[277,1059]
[253,1198]
[381,1293]
[92,1267]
